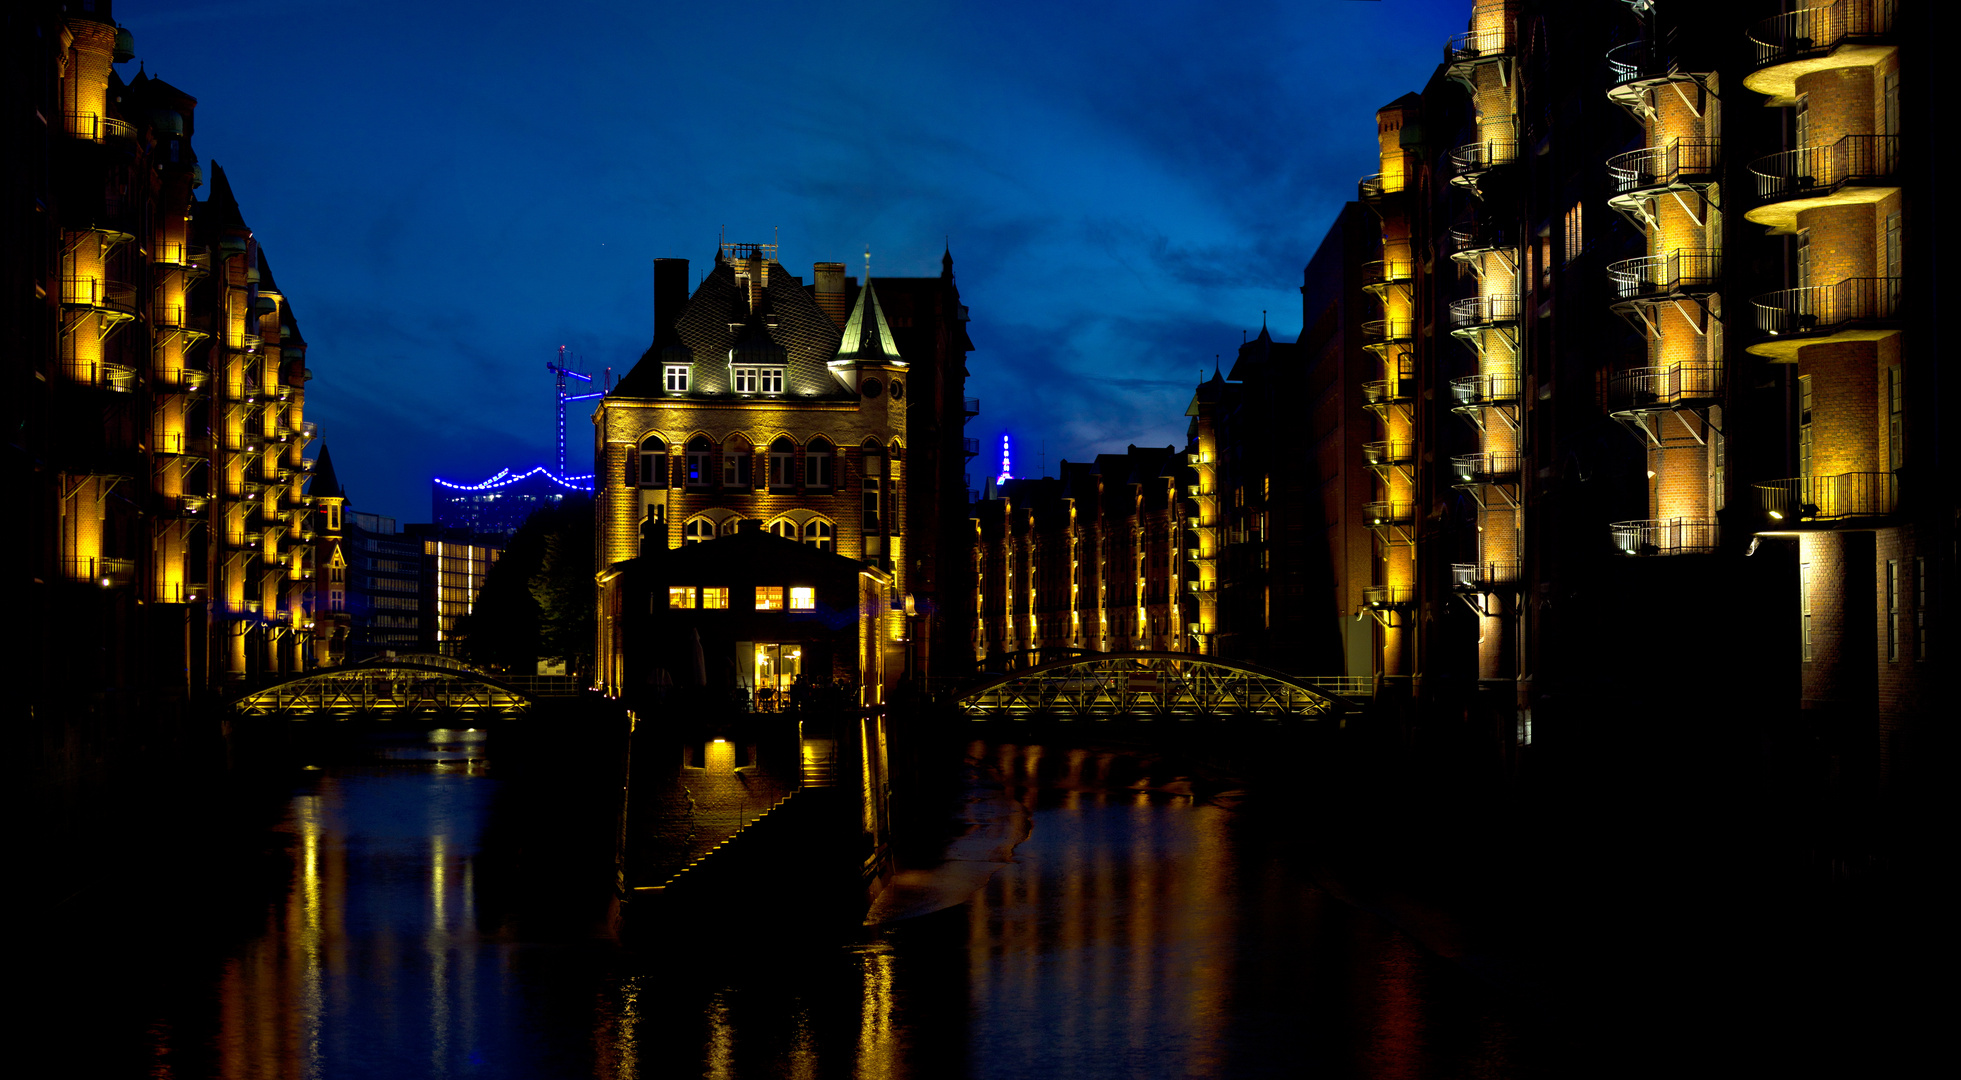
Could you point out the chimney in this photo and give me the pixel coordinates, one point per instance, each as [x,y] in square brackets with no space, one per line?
[831,298]
[670,295]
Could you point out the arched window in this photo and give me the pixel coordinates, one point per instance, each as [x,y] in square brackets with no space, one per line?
[700,450]
[698,529]
[872,463]
[782,463]
[653,462]
[818,464]
[817,533]
[731,526]
[783,527]
[736,455]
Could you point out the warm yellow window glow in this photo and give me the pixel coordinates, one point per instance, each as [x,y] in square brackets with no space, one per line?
[769,598]
[802,598]
[714,596]
[680,596]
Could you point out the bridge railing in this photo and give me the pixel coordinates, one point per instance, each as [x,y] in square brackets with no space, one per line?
[1159,685]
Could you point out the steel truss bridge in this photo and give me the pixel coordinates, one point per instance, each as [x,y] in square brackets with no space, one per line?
[404,688]
[1156,685]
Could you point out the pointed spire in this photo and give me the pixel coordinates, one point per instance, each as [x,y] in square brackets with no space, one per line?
[867,336]
[324,483]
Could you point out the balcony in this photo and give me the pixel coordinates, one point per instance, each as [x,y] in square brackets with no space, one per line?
[100,571]
[1856,309]
[1653,170]
[1381,597]
[1490,39]
[1469,163]
[970,447]
[1827,501]
[1387,330]
[1490,467]
[1382,274]
[1842,34]
[1646,389]
[97,128]
[1386,454]
[1672,537]
[1855,169]
[1681,273]
[116,299]
[102,375]
[970,407]
[1483,312]
[1481,577]
[1479,391]
[1389,391]
[1386,514]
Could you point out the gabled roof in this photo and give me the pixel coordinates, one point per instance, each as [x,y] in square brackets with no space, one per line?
[719,315]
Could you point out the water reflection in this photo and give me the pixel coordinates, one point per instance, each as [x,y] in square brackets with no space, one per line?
[1138,932]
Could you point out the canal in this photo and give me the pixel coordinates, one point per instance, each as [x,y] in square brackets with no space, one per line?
[413,906]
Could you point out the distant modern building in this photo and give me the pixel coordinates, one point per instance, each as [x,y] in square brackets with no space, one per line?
[454,565]
[494,509]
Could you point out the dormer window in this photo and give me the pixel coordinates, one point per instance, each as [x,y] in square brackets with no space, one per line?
[772,380]
[756,380]
[676,378]
[745,380]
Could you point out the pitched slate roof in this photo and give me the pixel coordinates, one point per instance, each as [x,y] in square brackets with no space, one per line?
[786,314]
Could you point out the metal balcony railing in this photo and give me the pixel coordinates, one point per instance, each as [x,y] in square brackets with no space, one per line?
[1829,498]
[1485,389]
[1385,391]
[97,128]
[1663,387]
[1680,161]
[99,570]
[1380,272]
[1633,61]
[1820,170]
[1389,329]
[1673,537]
[1474,158]
[1389,452]
[1387,596]
[970,406]
[1485,467]
[1682,272]
[970,447]
[1491,36]
[1816,31]
[1816,309]
[1471,236]
[100,293]
[1389,513]
[1480,575]
[1473,311]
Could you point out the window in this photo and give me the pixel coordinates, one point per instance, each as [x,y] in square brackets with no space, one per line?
[772,380]
[715,597]
[745,380]
[818,535]
[769,598]
[676,378]
[871,499]
[653,463]
[1804,608]
[699,451]
[1804,426]
[817,464]
[697,530]
[735,462]
[680,596]
[784,528]
[1892,611]
[1920,608]
[1895,415]
[782,463]
[731,526]
[803,598]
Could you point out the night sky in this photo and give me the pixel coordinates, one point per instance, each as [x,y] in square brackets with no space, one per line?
[448,193]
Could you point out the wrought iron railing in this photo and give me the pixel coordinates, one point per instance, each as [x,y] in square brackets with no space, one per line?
[1484,310]
[1818,30]
[1379,272]
[1661,166]
[1477,468]
[1486,389]
[1821,170]
[99,570]
[1473,158]
[98,292]
[1684,270]
[1389,452]
[1633,60]
[1491,36]
[1672,537]
[970,446]
[970,406]
[1817,308]
[1478,575]
[1381,596]
[1389,513]
[1829,498]
[1384,391]
[1663,387]
[1389,329]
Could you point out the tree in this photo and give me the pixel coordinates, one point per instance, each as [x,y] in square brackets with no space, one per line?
[538,601]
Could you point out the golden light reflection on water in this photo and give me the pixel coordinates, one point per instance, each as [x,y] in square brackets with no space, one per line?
[877,1044]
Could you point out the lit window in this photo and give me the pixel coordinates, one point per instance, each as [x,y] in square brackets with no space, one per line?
[680,596]
[735,462]
[802,598]
[653,462]
[817,464]
[784,528]
[769,598]
[699,451]
[677,378]
[818,535]
[715,596]
[745,380]
[782,463]
[772,380]
[698,529]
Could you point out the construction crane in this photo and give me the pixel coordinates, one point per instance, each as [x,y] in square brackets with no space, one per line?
[561,371]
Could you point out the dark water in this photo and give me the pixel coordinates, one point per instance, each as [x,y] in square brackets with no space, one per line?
[1137,932]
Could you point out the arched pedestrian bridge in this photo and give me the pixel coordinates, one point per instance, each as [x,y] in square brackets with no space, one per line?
[414,687]
[1156,685]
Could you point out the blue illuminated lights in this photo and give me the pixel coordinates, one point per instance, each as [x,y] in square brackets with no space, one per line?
[505,478]
[1005,475]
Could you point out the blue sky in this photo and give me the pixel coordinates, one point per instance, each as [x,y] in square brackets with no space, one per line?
[448,196]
